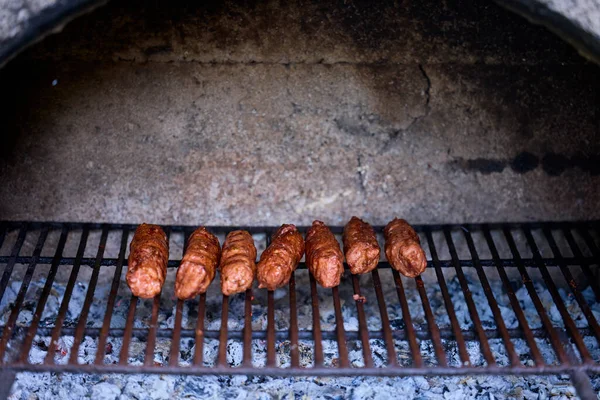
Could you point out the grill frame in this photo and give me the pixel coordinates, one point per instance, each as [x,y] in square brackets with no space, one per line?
[558,337]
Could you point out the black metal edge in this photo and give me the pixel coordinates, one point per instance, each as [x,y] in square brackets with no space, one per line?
[262,229]
[7,377]
[48,21]
[537,13]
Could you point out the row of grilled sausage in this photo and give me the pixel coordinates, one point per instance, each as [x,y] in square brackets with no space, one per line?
[236,261]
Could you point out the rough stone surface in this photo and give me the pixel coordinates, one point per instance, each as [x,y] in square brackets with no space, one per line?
[263,114]
[312,30]
[585,14]
[15,15]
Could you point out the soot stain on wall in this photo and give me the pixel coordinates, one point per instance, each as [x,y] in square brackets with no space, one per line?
[553,164]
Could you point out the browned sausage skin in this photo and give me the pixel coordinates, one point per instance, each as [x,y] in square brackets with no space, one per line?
[281,258]
[238,262]
[147,263]
[403,248]
[199,264]
[323,255]
[360,246]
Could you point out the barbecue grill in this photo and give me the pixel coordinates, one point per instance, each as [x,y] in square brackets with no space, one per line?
[540,258]
[232,112]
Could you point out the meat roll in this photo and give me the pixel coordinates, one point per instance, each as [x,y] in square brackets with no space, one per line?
[403,248]
[360,246]
[323,255]
[148,258]
[199,264]
[281,258]
[238,262]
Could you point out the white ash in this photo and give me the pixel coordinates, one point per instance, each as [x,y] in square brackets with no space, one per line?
[116,386]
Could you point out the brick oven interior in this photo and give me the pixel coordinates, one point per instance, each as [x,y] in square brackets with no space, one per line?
[259,113]
[244,113]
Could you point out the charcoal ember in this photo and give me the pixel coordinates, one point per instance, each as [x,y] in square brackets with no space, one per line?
[194,388]
[305,349]
[30,385]
[353,345]
[488,325]
[234,353]
[397,323]
[105,390]
[42,345]
[380,356]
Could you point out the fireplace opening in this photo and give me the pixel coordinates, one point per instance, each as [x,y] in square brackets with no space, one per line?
[476,126]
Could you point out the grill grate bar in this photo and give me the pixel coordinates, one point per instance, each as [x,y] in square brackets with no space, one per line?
[111,299]
[362,324]
[510,349]
[174,352]
[247,360]
[16,308]
[589,241]
[385,323]
[460,341]
[431,324]
[222,355]
[581,381]
[270,329]
[514,302]
[410,330]
[316,320]
[199,333]
[128,331]
[4,228]
[339,329]
[294,350]
[89,296]
[151,341]
[28,341]
[13,259]
[399,334]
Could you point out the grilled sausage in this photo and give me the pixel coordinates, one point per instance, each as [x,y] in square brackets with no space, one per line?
[147,263]
[199,264]
[360,246]
[323,255]
[403,248]
[238,262]
[281,258]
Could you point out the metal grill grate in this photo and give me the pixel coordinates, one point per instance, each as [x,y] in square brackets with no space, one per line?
[541,260]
